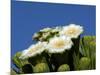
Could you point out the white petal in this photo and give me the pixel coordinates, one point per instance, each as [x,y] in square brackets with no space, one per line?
[72,31]
[46,29]
[33,50]
[59,44]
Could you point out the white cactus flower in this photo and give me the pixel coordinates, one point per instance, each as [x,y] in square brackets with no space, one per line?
[33,50]
[56,29]
[59,44]
[72,31]
[24,54]
[46,29]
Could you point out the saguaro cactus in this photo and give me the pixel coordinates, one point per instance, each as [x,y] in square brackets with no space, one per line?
[84,63]
[18,62]
[58,49]
[88,49]
[41,67]
[64,67]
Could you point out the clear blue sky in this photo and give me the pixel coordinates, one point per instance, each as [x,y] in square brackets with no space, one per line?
[30,17]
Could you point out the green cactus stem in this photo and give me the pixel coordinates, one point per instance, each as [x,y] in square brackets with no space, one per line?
[17,61]
[88,49]
[41,68]
[43,58]
[84,63]
[64,67]
[88,45]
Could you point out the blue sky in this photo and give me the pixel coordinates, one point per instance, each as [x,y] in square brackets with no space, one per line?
[30,17]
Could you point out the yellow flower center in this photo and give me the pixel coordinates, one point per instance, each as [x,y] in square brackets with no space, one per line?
[71,31]
[58,43]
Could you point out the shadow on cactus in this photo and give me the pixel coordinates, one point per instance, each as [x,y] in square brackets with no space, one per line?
[58,49]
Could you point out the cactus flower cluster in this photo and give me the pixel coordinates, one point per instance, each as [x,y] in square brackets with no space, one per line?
[58,49]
